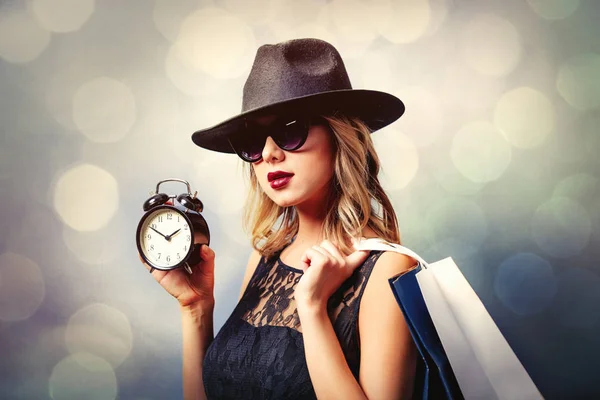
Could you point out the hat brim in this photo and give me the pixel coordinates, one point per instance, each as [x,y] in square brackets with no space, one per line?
[376,109]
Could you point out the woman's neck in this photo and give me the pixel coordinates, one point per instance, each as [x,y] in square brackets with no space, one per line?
[310,228]
[311,217]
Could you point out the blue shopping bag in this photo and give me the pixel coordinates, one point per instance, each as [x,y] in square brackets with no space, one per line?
[434,378]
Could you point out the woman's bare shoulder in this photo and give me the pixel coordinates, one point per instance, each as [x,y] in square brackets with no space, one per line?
[253,262]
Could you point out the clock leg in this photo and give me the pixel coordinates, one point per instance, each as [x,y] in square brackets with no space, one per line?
[187,268]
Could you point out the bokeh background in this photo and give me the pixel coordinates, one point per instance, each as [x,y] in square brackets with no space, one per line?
[495,163]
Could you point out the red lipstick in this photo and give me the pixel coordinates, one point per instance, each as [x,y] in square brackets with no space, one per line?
[279,179]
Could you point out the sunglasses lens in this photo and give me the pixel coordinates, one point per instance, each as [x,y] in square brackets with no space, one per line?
[292,135]
[249,150]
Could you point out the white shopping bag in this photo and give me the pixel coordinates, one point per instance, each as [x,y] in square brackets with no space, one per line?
[483,362]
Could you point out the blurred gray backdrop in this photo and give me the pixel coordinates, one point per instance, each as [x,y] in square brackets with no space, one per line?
[495,163]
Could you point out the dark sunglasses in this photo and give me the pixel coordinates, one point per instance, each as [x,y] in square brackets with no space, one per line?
[288,133]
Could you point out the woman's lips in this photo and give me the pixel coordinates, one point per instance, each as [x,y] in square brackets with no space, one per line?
[278,179]
[281,182]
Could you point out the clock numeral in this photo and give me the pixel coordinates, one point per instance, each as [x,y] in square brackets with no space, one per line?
[185,248]
[153,225]
[158,258]
[160,218]
[148,236]
[177,217]
[151,247]
[178,256]
[170,216]
[185,227]
[169,258]
[188,238]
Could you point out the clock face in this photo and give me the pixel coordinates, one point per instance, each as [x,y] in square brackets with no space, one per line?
[165,238]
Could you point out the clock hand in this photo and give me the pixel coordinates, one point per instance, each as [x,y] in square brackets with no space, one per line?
[159,233]
[168,237]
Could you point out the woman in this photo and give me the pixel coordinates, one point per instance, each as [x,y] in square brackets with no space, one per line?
[296,331]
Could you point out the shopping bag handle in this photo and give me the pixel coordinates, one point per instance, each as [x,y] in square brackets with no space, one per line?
[384,245]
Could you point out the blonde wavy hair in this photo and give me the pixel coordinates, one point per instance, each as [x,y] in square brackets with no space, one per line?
[359,203]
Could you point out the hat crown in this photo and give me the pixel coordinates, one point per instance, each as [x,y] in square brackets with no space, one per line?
[292,69]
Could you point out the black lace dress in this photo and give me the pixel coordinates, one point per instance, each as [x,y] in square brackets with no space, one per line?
[259,351]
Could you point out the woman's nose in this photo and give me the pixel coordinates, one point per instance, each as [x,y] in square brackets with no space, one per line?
[271,151]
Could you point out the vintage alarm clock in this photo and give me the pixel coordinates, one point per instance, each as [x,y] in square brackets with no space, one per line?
[169,236]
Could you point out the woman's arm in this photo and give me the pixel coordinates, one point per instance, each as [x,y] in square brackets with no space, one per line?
[388,354]
[329,373]
[197,330]
[198,334]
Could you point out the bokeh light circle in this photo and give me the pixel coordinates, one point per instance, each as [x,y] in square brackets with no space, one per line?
[577,299]
[525,283]
[399,159]
[293,19]
[100,330]
[425,121]
[439,13]
[553,9]
[480,152]
[83,376]
[169,14]
[348,17]
[86,197]
[104,110]
[525,117]
[21,38]
[22,287]
[226,55]
[491,45]
[581,187]
[457,227]
[561,227]
[405,22]
[579,81]
[255,12]
[591,138]
[185,76]
[451,179]
[62,15]
[98,247]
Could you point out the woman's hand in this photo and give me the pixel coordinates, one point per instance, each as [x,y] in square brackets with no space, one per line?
[325,269]
[190,289]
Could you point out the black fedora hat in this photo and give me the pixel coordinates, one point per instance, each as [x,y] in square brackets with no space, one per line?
[301,76]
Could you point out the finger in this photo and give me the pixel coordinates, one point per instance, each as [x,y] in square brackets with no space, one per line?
[206,253]
[323,251]
[334,251]
[311,257]
[355,259]
[201,254]
[329,258]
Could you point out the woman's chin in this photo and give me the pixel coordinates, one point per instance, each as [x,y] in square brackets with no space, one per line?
[283,202]
[283,199]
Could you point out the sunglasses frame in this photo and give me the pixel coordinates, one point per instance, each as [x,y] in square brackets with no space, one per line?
[268,130]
